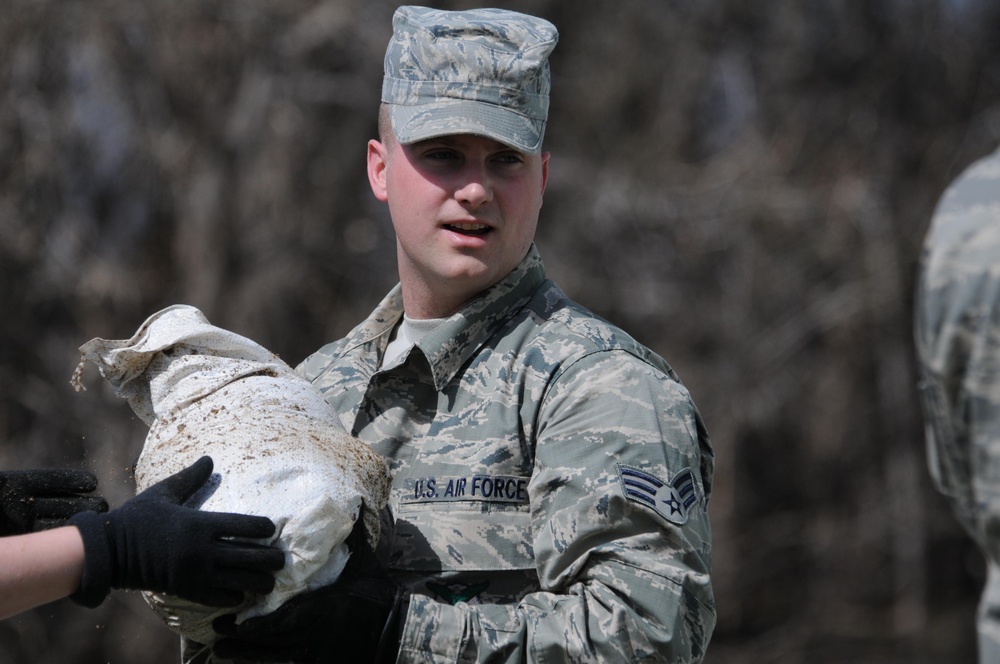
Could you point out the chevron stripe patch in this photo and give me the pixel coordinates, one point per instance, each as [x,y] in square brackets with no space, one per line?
[671,500]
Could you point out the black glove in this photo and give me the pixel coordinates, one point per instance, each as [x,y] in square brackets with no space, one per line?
[33,500]
[154,543]
[359,618]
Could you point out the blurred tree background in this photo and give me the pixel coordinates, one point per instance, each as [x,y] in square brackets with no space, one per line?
[742,186]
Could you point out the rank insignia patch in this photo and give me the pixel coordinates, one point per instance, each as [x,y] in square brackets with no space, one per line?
[671,500]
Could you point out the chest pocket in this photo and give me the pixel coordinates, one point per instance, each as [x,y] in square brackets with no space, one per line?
[462,536]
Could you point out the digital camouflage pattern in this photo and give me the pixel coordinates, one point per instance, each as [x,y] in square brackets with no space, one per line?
[511,430]
[482,71]
[958,344]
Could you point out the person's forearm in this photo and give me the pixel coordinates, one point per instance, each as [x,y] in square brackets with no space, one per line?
[39,568]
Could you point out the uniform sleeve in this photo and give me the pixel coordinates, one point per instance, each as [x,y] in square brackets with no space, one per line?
[621,536]
[957,334]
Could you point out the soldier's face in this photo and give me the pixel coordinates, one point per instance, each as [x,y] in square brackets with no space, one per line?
[464,209]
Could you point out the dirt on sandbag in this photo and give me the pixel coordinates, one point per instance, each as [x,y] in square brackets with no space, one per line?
[279,449]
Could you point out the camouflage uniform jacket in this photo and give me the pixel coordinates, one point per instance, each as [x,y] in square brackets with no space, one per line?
[550,481]
[958,344]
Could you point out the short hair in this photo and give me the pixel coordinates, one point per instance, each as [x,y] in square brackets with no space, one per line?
[384,124]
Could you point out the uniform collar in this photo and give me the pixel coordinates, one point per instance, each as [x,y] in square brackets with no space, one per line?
[449,347]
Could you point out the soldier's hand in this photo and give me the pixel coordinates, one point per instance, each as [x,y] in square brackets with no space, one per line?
[359,618]
[152,542]
[33,500]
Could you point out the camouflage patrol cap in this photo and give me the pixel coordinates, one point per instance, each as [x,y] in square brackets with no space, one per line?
[482,71]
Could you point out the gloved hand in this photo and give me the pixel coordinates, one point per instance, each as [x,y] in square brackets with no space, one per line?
[359,618]
[152,542]
[33,500]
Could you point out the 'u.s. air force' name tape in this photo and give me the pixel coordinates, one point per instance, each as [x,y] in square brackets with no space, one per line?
[485,488]
[671,500]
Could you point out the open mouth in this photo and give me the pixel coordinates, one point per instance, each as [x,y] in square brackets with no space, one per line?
[469,229]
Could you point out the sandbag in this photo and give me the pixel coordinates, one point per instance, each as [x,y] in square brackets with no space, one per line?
[279,449]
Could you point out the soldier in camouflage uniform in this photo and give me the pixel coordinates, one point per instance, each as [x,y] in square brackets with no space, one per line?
[551,475]
[958,343]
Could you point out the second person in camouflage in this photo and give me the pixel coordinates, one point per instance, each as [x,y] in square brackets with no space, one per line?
[958,346]
[550,475]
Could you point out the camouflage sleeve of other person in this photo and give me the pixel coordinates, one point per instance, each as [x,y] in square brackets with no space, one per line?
[958,345]
[620,531]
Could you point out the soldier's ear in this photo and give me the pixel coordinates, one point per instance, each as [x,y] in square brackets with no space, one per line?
[378,161]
